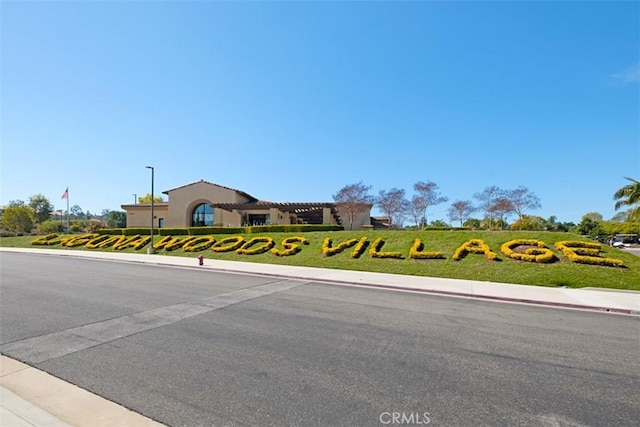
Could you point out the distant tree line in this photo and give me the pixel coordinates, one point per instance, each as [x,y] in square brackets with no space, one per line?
[37,215]
[494,204]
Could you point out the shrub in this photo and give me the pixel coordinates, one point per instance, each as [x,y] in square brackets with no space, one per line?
[136,242]
[359,248]
[138,230]
[199,231]
[375,251]
[573,249]
[291,228]
[246,249]
[228,244]
[538,253]
[93,226]
[173,231]
[329,250]
[173,243]
[474,246]
[49,226]
[80,240]
[417,252]
[290,246]
[95,243]
[49,239]
[197,244]
[110,231]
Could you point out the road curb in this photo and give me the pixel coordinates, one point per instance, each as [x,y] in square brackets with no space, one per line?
[459,294]
[398,288]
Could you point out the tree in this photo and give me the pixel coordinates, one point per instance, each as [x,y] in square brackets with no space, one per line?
[115,219]
[591,227]
[354,200]
[439,224]
[527,222]
[49,226]
[41,206]
[18,218]
[594,216]
[393,204]
[416,211]
[15,203]
[488,198]
[629,195]
[147,199]
[472,223]
[622,216]
[521,199]
[500,209]
[427,195]
[460,211]
[550,224]
[76,212]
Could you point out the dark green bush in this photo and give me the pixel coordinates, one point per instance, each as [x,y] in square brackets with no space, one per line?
[49,226]
[134,231]
[293,228]
[203,231]
[173,231]
[110,231]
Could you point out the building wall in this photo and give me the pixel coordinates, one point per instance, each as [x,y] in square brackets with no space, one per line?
[140,215]
[184,200]
[359,220]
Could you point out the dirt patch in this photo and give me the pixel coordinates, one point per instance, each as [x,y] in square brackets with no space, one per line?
[522,248]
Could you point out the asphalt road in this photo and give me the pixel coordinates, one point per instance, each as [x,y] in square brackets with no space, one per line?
[195,348]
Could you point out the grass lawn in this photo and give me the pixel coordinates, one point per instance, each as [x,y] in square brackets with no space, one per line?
[475,267]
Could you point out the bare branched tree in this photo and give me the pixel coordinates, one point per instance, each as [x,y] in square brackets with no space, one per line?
[416,210]
[393,203]
[427,195]
[488,198]
[460,211]
[354,199]
[522,199]
[500,209]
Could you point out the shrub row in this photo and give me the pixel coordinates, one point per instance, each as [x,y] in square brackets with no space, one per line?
[417,252]
[290,246]
[586,253]
[328,249]
[202,231]
[376,252]
[474,246]
[538,253]
[123,231]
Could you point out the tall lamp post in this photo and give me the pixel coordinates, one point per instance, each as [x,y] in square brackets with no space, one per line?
[151,250]
[135,199]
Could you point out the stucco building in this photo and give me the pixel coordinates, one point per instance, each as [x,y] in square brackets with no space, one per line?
[203,203]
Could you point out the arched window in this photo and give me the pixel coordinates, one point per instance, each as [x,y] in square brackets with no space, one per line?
[202,215]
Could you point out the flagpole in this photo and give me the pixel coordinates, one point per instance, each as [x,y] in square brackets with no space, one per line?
[68,221]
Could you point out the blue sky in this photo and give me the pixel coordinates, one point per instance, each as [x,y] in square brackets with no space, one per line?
[290,101]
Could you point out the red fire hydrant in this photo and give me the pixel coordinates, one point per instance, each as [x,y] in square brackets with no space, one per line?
[201,260]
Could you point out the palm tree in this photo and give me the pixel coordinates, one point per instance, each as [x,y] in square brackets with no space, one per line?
[629,195]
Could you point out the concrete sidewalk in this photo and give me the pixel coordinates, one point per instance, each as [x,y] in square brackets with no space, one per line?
[30,397]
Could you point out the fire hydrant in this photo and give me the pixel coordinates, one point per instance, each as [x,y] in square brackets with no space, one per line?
[201,260]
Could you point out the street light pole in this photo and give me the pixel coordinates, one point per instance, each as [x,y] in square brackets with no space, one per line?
[135,199]
[151,249]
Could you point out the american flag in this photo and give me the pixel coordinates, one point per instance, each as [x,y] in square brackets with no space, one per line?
[65,195]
